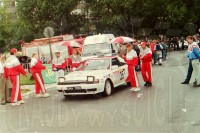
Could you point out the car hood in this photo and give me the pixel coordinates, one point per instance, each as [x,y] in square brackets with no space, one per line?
[95,56]
[82,75]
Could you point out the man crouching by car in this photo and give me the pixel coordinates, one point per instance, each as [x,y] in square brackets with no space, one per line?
[58,65]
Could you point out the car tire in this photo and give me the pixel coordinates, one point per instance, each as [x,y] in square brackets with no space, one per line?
[107,88]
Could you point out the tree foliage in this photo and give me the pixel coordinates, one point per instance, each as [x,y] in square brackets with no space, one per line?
[121,14]
[115,16]
[39,14]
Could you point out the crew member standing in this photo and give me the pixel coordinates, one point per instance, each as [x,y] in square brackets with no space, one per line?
[58,65]
[131,60]
[13,69]
[146,59]
[2,82]
[36,68]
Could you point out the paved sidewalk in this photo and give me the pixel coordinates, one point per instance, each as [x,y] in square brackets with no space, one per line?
[32,88]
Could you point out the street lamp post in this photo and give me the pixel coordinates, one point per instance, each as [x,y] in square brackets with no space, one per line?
[48,33]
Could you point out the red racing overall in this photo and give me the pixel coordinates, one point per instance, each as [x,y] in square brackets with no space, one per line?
[36,68]
[13,69]
[146,69]
[131,60]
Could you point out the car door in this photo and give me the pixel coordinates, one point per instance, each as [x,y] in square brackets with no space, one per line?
[124,67]
[118,71]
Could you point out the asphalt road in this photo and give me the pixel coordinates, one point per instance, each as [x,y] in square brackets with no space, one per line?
[167,107]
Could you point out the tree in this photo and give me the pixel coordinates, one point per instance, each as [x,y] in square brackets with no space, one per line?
[119,15]
[5,33]
[38,14]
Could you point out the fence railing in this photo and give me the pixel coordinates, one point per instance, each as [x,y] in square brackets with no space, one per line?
[26,67]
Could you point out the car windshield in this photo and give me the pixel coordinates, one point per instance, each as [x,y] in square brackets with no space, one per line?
[96,49]
[103,64]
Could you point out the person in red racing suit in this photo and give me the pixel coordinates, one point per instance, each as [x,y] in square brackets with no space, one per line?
[13,69]
[146,59]
[36,68]
[131,60]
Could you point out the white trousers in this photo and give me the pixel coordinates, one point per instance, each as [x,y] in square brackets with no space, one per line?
[59,73]
[196,70]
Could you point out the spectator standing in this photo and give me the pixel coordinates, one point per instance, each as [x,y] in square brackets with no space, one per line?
[193,55]
[182,43]
[159,49]
[58,65]
[13,69]
[154,55]
[43,58]
[189,73]
[164,50]
[2,82]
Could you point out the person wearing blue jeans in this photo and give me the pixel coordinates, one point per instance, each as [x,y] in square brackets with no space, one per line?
[189,74]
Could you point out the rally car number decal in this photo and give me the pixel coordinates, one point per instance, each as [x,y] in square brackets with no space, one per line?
[120,72]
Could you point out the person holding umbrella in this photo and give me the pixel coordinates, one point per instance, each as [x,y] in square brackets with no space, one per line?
[132,61]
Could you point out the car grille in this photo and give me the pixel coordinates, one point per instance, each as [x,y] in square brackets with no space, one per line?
[79,91]
[75,82]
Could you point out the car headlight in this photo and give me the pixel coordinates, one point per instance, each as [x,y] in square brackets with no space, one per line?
[61,80]
[90,78]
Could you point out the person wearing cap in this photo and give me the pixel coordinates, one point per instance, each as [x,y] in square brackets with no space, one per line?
[146,68]
[131,60]
[36,68]
[13,69]
[58,65]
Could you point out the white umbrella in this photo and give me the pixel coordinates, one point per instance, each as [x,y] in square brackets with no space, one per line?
[72,44]
[122,39]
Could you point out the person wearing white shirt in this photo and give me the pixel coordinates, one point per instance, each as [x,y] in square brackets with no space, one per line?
[2,81]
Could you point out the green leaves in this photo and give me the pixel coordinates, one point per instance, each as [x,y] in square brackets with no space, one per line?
[117,16]
[39,14]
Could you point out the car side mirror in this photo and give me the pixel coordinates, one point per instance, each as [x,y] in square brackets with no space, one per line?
[114,67]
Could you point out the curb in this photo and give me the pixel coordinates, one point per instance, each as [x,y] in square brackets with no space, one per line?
[31,92]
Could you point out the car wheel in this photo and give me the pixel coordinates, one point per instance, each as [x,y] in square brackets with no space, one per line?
[107,88]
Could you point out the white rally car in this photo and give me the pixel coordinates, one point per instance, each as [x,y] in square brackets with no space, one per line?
[96,75]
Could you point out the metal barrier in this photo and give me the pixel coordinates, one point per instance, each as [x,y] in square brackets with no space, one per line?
[26,67]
